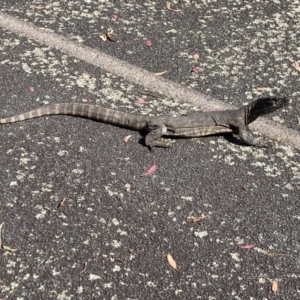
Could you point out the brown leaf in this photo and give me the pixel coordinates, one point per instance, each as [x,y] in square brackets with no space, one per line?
[274,286]
[160,73]
[150,171]
[296,66]
[84,268]
[126,138]
[62,202]
[171,261]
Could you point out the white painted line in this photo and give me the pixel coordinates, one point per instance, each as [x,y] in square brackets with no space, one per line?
[139,76]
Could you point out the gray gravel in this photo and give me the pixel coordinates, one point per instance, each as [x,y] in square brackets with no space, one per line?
[111,237]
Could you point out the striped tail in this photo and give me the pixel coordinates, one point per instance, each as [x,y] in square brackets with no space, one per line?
[94,112]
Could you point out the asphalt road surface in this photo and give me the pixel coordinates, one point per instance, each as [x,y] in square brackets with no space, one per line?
[78,219]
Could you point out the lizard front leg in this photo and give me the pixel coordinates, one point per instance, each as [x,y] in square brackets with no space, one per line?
[153,138]
[248,138]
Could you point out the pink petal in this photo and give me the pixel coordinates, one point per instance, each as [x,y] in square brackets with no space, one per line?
[31,89]
[141,101]
[195,69]
[148,43]
[150,171]
[250,246]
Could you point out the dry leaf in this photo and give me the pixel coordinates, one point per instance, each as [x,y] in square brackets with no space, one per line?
[171,261]
[126,138]
[62,202]
[141,101]
[107,36]
[196,57]
[9,249]
[250,246]
[84,268]
[274,286]
[168,6]
[1,226]
[296,66]
[198,219]
[150,171]
[103,37]
[260,89]
[160,73]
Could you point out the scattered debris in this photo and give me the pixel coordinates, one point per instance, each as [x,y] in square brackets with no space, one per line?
[62,202]
[108,36]
[5,248]
[168,6]
[249,246]
[160,73]
[274,286]
[196,57]
[171,261]
[260,89]
[296,66]
[141,101]
[127,138]
[148,43]
[195,69]
[84,269]
[150,171]
[152,95]
[198,219]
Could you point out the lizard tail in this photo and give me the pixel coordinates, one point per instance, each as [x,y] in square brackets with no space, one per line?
[94,112]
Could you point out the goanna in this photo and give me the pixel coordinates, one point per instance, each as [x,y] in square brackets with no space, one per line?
[156,127]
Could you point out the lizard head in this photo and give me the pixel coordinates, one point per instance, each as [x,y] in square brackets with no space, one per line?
[264,106]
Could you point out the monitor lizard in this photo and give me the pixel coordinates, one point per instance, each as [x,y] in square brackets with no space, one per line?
[156,127]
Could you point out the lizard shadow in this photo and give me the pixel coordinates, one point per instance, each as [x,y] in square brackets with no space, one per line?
[231,138]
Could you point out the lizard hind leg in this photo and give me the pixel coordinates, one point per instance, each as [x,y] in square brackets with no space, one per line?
[154,136]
